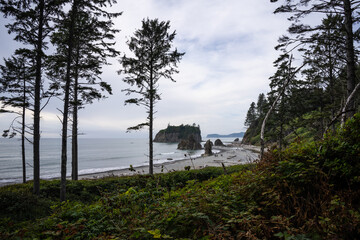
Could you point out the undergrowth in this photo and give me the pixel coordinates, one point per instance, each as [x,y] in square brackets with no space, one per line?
[308,191]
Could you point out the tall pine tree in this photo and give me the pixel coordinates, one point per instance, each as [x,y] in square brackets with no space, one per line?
[17,78]
[251,115]
[154,59]
[31,23]
[84,39]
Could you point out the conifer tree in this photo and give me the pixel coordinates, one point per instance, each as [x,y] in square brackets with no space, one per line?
[84,39]
[154,59]
[251,115]
[31,23]
[325,58]
[261,105]
[16,85]
[281,80]
[89,59]
[348,12]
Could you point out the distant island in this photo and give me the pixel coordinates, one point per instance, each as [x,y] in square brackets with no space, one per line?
[174,134]
[232,135]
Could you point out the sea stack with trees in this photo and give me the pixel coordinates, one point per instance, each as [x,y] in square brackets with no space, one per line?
[188,136]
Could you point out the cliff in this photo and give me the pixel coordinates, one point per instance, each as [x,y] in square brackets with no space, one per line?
[174,134]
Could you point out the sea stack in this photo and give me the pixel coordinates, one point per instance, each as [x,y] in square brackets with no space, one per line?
[219,143]
[208,148]
[189,144]
[174,134]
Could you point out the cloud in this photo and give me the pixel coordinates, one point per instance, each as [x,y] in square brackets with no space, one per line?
[229,47]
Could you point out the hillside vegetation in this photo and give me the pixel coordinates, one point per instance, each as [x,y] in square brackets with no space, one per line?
[310,190]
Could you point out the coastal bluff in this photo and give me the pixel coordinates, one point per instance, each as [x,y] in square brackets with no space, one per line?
[174,134]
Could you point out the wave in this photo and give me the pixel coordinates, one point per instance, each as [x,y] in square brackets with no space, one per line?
[100,170]
[169,153]
[10,180]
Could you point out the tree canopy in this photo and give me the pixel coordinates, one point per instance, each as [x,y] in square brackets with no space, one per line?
[324,87]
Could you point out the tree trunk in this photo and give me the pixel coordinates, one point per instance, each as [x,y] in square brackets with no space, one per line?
[151,151]
[349,100]
[23,132]
[350,56]
[332,88]
[36,137]
[281,136]
[151,118]
[282,113]
[74,150]
[66,104]
[343,109]
[262,140]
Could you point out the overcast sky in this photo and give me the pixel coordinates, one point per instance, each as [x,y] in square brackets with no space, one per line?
[229,47]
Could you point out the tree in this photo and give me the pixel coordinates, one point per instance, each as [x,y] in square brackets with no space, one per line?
[325,58]
[153,60]
[347,9]
[31,23]
[261,105]
[303,105]
[251,115]
[89,58]
[287,77]
[67,80]
[16,81]
[84,39]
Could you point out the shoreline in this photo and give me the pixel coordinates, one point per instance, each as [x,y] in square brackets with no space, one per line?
[229,155]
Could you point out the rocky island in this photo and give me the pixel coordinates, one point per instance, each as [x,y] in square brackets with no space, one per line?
[188,136]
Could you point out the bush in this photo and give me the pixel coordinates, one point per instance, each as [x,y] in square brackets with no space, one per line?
[308,191]
[21,204]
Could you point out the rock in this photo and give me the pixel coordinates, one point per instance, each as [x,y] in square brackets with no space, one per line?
[189,144]
[236,140]
[208,148]
[167,137]
[219,143]
[174,134]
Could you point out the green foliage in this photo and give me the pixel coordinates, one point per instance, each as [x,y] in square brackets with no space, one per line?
[184,130]
[315,95]
[88,56]
[20,204]
[308,191]
[251,115]
[154,59]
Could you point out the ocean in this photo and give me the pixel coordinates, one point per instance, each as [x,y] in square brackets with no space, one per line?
[95,155]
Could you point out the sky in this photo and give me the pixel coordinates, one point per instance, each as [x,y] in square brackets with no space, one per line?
[229,55]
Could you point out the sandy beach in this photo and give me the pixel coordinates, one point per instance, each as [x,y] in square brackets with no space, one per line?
[232,154]
[228,155]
